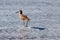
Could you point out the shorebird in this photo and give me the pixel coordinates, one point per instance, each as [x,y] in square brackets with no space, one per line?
[23,17]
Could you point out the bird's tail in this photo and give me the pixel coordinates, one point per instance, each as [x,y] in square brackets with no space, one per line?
[28,19]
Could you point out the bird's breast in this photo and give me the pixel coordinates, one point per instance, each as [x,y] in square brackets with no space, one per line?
[23,17]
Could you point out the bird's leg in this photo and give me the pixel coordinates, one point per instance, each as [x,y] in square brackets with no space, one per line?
[23,23]
[27,24]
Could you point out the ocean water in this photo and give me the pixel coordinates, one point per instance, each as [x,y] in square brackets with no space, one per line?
[43,14]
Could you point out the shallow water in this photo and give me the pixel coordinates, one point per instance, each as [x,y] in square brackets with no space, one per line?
[43,14]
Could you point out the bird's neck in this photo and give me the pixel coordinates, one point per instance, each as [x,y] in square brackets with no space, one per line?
[20,14]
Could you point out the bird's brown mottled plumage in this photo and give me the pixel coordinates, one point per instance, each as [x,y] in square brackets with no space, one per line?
[22,16]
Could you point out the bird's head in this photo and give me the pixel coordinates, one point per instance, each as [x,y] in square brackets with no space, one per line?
[20,11]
